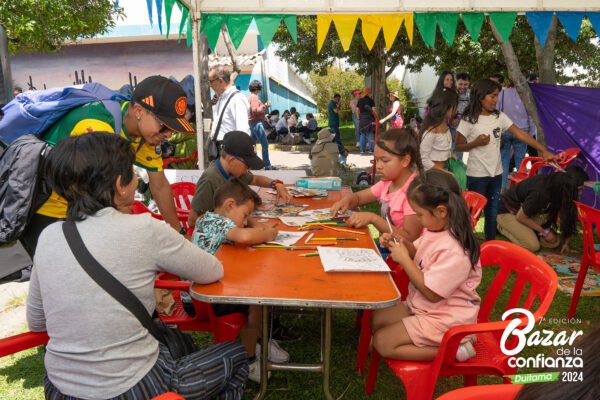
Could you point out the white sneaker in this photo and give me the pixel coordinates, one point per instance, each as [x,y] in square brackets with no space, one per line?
[254,371]
[307,141]
[465,351]
[276,353]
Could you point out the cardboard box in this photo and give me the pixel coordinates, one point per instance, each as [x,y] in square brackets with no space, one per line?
[326,182]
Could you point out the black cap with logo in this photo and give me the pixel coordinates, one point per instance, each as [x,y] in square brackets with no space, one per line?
[165,99]
[239,144]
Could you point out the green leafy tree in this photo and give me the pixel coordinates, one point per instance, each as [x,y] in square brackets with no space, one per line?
[43,25]
[335,80]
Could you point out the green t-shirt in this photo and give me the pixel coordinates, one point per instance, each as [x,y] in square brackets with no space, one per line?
[333,117]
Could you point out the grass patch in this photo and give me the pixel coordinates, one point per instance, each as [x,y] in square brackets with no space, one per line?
[15,302]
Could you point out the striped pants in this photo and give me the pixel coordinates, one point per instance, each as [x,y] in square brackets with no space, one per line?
[217,372]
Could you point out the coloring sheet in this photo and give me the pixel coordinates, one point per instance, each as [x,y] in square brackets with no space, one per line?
[286,238]
[351,260]
[295,221]
[274,211]
[321,214]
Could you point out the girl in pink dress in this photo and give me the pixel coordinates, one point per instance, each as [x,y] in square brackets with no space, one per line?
[444,271]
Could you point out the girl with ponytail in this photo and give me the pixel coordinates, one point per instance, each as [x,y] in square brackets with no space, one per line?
[444,271]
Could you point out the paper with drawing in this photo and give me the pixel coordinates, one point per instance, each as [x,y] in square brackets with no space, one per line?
[286,238]
[351,259]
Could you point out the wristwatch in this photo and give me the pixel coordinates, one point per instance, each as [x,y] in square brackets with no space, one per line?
[183,231]
[275,182]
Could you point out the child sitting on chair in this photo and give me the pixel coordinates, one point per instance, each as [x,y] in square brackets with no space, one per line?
[234,202]
[444,271]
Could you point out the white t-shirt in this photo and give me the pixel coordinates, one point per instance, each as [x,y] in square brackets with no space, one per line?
[236,114]
[485,160]
[281,124]
[435,147]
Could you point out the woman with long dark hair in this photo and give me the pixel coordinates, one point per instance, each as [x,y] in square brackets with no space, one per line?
[521,214]
[435,138]
[98,349]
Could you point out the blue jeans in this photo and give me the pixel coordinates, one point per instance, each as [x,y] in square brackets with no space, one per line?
[338,139]
[356,129]
[367,137]
[454,134]
[520,148]
[257,131]
[488,186]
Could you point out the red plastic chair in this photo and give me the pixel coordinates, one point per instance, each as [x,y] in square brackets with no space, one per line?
[487,392]
[364,340]
[420,377]
[476,202]
[590,221]
[22,341]
[224,329]
[183,192]
[562,159]
[169,396]
[168,161]
[140,208]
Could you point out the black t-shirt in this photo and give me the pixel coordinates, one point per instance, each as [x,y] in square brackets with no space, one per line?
[530,194]
[365,106]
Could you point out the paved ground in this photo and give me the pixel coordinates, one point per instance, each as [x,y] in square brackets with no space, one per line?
[13,295]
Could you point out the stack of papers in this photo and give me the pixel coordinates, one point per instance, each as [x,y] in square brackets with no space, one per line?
[351,259]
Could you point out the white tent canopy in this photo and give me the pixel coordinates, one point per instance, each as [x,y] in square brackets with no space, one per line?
[312,7]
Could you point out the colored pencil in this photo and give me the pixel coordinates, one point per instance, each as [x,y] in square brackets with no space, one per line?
[309,237]
[270,246]
[303,247]
[387,218]
[308,255]
[344,230]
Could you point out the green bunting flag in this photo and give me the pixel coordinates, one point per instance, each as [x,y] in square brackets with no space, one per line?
[267,25]
[237,25]
[290,23]
[473,22]
[447,22]
[189,37]
[184,17]
[503,21]
[426,22]
[168,10]
[211,26]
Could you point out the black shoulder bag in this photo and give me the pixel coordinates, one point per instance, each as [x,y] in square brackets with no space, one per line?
[213,150]
[179,343]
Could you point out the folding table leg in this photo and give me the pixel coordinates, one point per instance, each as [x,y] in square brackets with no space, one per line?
[264,355]
[326,345]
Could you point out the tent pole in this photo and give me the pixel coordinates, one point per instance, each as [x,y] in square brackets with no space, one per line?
[197,54]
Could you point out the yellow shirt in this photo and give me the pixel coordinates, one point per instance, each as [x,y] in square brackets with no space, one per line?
[94,117]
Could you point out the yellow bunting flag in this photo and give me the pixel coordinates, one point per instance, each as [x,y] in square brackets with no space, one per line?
[391,25]
[345,25]
[323,24]
[409,25]
[371,26]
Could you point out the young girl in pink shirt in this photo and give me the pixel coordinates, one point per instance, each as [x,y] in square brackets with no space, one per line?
[444,271]
[397,156]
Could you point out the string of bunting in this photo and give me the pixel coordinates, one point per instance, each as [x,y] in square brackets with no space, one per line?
[372,24]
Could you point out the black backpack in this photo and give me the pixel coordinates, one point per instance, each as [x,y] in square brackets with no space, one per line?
[23,188]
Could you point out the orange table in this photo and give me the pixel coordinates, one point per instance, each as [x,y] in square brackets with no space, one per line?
[280,277]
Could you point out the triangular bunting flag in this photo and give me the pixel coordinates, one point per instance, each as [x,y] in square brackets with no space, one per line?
[168,12]
[391,23]
[159,14]
[409,25]
[345,25]
[211,26]
[540,23]
[595,20]
[149,6]
[323,24]
[290,23]
[426,22]
[447,21]
[184,17]
[503,21]
[267,25]
[189,37]
[237,25]
[473,22]
[371,26]
[571,21]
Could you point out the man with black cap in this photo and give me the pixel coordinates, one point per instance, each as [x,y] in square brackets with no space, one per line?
[236,159]
[157,109]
